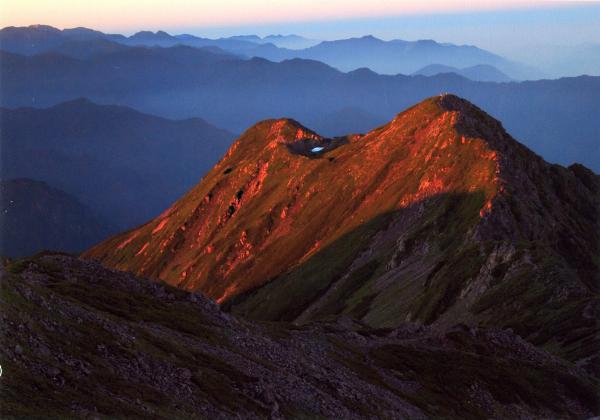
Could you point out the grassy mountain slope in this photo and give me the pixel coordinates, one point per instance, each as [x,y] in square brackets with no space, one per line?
[438,217]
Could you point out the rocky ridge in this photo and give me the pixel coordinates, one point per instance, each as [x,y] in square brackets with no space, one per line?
[438,217]
[82,341]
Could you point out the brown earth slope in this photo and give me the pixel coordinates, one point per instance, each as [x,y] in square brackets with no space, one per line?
[438,217]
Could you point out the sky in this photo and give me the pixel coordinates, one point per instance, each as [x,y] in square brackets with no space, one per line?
[125,14]
[502,26]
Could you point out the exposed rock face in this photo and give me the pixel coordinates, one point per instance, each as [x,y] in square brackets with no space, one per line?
[82,341]
[438,217]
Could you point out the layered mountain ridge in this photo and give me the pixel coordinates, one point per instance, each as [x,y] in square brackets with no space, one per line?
[556,118]
[390,57]
[438,217]
[481,72]
[111,158]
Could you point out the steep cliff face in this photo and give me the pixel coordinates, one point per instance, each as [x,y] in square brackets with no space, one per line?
[437,217]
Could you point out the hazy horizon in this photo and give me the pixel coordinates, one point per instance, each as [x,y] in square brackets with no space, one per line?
[528,31]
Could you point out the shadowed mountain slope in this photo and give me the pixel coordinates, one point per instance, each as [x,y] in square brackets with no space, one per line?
[34,216]
[124,165]
[438,217]
[81,341]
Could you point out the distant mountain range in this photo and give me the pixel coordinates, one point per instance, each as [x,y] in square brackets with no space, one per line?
[283,41]
[35,217]
[438,217]
[37,39]
[479,73]
[556,118]
[405,57]
[563,60]
[386,57]
[124,165]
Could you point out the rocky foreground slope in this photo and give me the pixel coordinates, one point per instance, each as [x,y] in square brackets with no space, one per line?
[82,341]
[438,217]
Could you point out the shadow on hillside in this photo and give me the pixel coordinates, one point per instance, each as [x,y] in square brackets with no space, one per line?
[442,219]
[339,280]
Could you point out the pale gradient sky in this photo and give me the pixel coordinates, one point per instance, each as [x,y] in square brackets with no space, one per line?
[498,25]
[131,15]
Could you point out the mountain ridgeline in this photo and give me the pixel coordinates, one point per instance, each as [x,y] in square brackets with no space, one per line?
[111,158]
[388,57]
[481,72]
[438,217]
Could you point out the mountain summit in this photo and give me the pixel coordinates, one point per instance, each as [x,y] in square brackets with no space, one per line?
[437,217]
